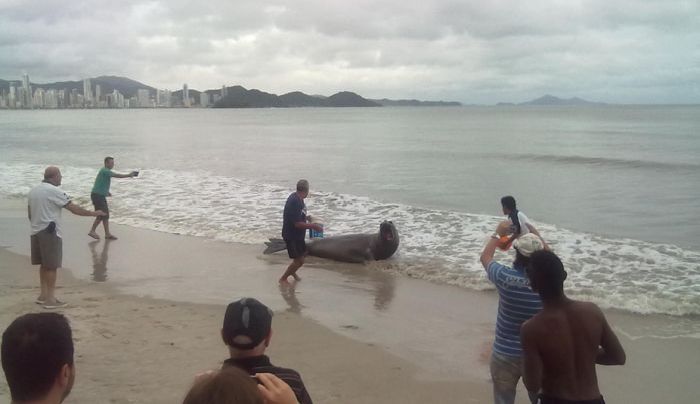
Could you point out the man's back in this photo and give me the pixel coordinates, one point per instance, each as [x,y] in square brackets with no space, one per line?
[567,338]
[261,364]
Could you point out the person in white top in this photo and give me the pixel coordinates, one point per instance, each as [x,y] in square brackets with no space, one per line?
[44,208]
[521,225]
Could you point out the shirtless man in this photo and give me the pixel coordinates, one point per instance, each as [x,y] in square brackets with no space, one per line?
[563,342]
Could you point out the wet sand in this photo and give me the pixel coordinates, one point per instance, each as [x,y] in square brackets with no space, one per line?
[147,309]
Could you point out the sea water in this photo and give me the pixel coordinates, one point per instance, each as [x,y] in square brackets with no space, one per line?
[613,189]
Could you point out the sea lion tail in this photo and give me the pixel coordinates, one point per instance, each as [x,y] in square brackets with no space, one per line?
[274,245]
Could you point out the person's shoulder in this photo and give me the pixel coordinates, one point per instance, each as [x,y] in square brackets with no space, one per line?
[533,324]
[495,266]
[589,308]
[494,269]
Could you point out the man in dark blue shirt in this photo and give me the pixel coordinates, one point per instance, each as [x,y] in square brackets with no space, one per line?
[294,229]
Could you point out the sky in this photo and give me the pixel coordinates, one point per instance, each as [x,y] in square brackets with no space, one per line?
[475,52]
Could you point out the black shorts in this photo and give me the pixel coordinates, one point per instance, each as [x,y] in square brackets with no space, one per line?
[100,203]
[543,399]
[296,248]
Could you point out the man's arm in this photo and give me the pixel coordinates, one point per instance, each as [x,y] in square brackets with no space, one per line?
[118,175]
[490,248]
[610,351]
[77,210]
[489,251]
[532,363]
[304,225]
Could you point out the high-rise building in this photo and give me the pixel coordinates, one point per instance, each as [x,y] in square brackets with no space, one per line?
[73,100]
[204,99]
[185,95]
[87,92]
[39,98]
[224,92]
[12,98]
[27,96]
[144,98]
[98,95]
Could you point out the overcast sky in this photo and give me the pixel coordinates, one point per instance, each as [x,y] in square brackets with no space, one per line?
[473,51]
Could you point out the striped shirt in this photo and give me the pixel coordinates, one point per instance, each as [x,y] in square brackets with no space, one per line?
[516,304]
[261,364]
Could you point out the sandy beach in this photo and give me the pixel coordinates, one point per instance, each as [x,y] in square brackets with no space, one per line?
[146,312]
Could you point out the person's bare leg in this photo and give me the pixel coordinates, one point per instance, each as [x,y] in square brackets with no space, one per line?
[42,284]
[50,279]
[108,234]
[292,269]
[93,230]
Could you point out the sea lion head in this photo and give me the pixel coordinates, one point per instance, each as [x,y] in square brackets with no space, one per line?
[388,241]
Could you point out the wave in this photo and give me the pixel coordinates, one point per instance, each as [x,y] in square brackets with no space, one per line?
[436,245]
[606,162]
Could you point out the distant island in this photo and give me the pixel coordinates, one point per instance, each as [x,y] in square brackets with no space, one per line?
[550,100]
[122,92]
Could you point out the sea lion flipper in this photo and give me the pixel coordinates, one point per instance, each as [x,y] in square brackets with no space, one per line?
[274,245]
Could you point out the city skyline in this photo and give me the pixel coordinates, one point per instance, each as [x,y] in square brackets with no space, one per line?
[21,95]
[475,52]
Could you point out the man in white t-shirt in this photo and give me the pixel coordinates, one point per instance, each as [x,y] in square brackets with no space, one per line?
[46,202]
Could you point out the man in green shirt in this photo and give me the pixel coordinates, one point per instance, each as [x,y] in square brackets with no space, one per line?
[100,192]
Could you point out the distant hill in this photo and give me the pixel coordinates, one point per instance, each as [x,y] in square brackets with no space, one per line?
[550,100]
[416,103]
[348,99]
[239,97]
[299,99]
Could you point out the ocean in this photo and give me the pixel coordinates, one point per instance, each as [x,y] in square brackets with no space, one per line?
[613,189]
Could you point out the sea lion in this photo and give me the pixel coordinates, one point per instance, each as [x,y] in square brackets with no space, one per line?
[355,248]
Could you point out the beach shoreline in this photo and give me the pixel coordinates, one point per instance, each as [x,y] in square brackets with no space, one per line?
[355,333]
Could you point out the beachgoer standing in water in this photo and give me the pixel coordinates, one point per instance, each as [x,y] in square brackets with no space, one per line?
[294,228]
[520,223]
[100,192]
[563,342]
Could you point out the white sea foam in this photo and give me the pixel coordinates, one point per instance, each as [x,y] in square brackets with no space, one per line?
[439,246]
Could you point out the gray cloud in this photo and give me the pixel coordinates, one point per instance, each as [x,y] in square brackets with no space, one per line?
[473,51]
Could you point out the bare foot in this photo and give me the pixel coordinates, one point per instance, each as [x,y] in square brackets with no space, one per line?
[40,300]
[284,281]
[296,277]
[94,235]
[110,237]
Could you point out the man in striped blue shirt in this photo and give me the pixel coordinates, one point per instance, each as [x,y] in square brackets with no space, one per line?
[516,304]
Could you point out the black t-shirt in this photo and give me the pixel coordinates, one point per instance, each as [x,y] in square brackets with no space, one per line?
[261,364]
[294,211]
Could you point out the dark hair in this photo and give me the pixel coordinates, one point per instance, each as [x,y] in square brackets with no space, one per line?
[508,202]
[520,261]
[547,273]
[303,186]
[108,158]
[35,347]
[230,385]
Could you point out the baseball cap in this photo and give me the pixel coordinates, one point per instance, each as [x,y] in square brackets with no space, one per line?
[528,244]
[246,317]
